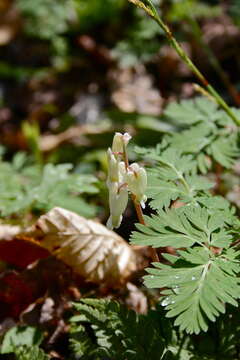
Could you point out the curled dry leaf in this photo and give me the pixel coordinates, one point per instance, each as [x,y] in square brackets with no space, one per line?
[89,248]
[7,232]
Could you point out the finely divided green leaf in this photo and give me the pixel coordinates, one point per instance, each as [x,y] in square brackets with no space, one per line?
[199,286]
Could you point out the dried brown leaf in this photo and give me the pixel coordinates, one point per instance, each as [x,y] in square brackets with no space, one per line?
[89,248]
[8,232]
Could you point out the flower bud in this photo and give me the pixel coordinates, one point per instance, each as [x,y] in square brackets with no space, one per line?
[119,141]
[118,199]
[137,182]
[113,167]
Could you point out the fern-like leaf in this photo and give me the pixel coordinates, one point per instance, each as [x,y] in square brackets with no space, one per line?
[198,286]
[183,227]
[24,188]
[192,140]
[192,111]
[120,333]
[224,150]
[162,192]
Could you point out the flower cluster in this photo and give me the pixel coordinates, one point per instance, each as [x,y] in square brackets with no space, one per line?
[123,178]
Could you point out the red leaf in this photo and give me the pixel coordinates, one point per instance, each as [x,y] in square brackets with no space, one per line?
[21,252]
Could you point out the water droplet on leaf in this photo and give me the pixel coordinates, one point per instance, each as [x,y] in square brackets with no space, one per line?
[166,301]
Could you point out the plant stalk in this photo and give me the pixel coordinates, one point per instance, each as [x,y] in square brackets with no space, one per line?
[149,8]
[154,254]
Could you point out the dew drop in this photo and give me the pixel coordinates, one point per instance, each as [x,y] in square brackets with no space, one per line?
[151,276]
[193,278]
[165,302]
[176,276]
[173,302]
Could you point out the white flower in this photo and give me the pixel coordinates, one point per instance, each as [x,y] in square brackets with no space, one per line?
[118,199]
[123,178]
[136,178]
[113,167]
[119,141]
[118,194]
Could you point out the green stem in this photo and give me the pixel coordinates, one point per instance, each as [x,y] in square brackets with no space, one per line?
[147,6]
[185,184]
[181,346]
[137,206]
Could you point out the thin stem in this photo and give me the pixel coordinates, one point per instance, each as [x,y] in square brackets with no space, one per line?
[185,184]
[204,92]
[147,6]
[179,175]
[154,254]
[181,346]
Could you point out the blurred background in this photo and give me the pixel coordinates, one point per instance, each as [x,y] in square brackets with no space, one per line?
[72,72]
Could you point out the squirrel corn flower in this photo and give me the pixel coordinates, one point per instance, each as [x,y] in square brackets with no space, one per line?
[123,178]
[118,194]
[137,182]
[113,168]
[119,141]
[118,199]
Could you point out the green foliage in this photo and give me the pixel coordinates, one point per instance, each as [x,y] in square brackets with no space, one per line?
[189,112]
[184,227]
[94,12]
[116,333]
[24,342]
[30,353]
[139,45]
[194,8]
[205,133]
[209,131]
[106,330]
[25,187]
[19,336]
[202,277]
[39,23]
[198,286]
